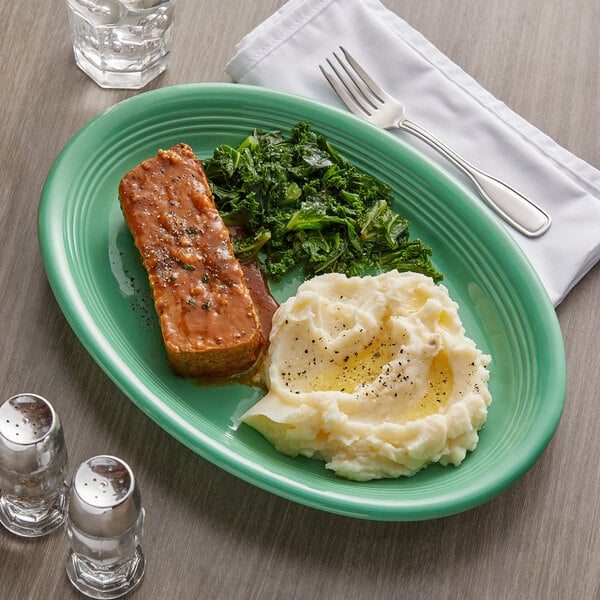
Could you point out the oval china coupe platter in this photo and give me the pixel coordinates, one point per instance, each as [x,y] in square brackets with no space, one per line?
[96,275]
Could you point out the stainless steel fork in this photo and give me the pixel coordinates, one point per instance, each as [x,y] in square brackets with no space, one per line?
[370,102]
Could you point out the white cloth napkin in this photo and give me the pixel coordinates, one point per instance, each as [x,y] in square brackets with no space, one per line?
[283,53]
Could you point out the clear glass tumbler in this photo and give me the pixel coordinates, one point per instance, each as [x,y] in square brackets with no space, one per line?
[121,43]
[33,464]
[104,526]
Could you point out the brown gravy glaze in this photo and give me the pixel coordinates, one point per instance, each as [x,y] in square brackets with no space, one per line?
[208,320]
[264,302]
[265,306]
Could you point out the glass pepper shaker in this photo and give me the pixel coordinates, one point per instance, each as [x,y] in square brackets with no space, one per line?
[104,526]
[33,464]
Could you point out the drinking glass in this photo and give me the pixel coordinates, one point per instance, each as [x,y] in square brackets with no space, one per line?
[121,43]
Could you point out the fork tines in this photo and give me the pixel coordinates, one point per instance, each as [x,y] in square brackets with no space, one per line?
[352,84]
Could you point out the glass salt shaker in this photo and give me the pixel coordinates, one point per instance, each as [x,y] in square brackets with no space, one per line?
[33,464]
[104,526]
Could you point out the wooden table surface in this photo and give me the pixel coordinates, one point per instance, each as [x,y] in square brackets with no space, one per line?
[208,534]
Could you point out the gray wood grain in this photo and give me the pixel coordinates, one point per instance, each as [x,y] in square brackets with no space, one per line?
[208,534]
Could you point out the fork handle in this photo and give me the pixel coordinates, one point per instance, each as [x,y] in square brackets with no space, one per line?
[513,207]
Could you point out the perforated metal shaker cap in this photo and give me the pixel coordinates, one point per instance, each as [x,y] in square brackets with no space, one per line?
[31,436]
[104,499]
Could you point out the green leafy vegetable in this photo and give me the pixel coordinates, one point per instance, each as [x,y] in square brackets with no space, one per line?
[299,203]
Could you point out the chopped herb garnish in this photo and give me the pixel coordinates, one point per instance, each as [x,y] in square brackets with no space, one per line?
[189,267]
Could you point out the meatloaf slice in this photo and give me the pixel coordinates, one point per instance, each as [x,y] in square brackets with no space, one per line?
[208,321]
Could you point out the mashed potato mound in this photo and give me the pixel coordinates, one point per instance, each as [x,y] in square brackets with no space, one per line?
[373,375]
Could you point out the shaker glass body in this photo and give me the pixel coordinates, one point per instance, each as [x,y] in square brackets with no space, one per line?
[33,464]
[104,527]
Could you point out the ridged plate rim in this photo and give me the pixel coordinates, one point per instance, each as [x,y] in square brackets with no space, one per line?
[493,279]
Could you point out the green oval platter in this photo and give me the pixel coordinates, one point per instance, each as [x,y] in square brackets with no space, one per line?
[96,276]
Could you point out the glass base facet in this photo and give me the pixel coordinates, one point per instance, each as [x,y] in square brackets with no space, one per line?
[34,517]
[114,580]
[126,80]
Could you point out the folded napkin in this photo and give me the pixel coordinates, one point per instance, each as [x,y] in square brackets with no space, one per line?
[283,53]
